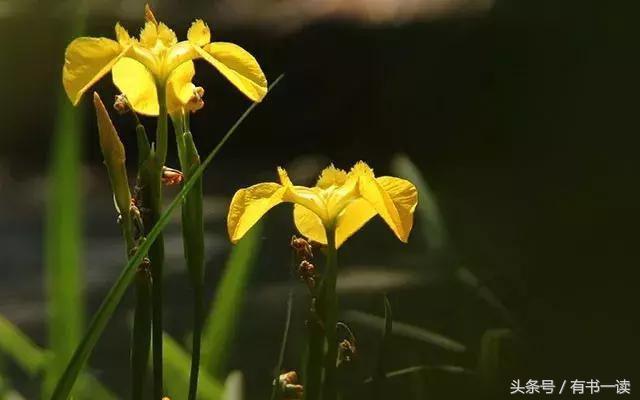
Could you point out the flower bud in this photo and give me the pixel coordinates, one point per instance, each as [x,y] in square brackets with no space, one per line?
[171,177]
[114,156]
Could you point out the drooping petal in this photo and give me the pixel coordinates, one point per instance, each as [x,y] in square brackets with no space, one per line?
[238,66]
[309,224]
[249,205]
[199,33]
[382,201]
[352,218]
[86,60]
[179,87]
[404,196]
[136,82]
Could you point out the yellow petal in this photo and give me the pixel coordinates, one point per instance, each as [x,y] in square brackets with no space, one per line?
[383,202]
[331,176]
[122,35]
[352,218]
[307,197]
[166,35]
[179,87]
[149,35]
[199,33]
[405,199]
[238,66]
[249,205]
[309,224]
[136,82]
[86,60]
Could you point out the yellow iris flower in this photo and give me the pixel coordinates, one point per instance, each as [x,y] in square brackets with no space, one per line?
[156,60]
[340,202]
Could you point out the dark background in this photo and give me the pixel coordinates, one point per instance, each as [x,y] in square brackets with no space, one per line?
[523,119]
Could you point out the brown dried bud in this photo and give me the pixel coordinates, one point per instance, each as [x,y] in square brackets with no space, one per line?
[289,386]
[121,104]
[307,273]
[171,177]
[196,101]
[302,248]
[346,352]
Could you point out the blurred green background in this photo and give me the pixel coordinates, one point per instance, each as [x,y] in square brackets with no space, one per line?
[520,115]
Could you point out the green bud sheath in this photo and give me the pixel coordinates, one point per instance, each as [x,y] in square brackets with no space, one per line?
[114,156]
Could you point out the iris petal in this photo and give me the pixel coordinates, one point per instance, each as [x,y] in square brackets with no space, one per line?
[179,87]
[86,60]
[238,66]
[136,82]
[404,196]
[309,224]
[199,33]
[352,218]
[249,205]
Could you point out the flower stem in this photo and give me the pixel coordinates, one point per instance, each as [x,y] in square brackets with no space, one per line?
[323,349]
[330,302]
[156,253]
[193,238]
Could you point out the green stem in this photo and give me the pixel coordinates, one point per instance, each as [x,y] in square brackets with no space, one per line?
[323,347]
[156,253]
[193,239]
[330,306]
[141,338]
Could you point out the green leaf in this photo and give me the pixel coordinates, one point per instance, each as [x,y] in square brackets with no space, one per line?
[233,387]
[385,344]
[406,330]
[493,359]
[32,359]
[117,291]
[64,281]
[19,347]
[221,322]
[176,368]
[452,369]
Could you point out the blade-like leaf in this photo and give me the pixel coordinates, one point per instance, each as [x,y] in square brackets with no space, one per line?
[32,359]
[233,387]
[453,369]
[113,298]
[177,364]
[221,321]
[383,352]
[64,281]
[20,348]
[405,330]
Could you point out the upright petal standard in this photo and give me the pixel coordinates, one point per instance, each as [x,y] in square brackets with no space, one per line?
[157,61]
[340,202]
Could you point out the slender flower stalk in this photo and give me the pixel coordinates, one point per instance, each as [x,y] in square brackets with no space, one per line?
[114,156]
[193,238]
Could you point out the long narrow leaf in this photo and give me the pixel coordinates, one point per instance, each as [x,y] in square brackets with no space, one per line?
[383,353]
[64,280]
[20,348]
[406,330]
[113,298]
[221,322]
[233,387]
[176,368]
[32,359]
